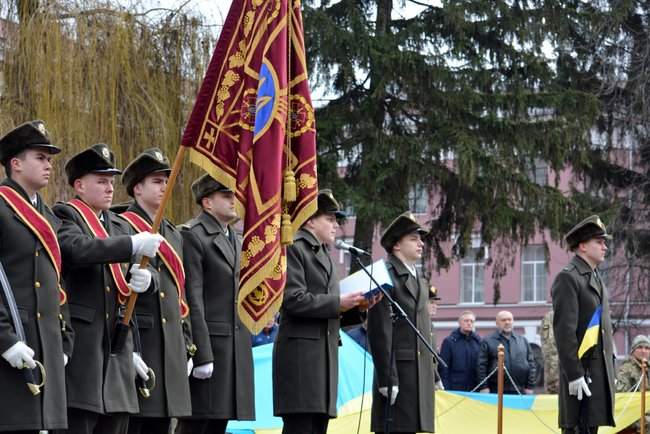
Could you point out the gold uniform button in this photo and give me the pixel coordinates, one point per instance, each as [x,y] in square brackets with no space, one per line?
[108,289]
[164,321]
[37,284]
[60,317]
[36,253]
[159,269]
[38,315]
[162,295]
[106,316]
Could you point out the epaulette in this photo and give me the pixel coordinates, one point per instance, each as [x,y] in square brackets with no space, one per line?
[569,267]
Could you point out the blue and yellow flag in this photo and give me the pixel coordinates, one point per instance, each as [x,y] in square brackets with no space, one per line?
[590,339]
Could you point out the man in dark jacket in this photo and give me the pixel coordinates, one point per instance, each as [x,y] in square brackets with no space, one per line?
[407,381]
[161,312]
[305,355]
[586,397]
[30,255]
[518,358]
[221,382]
[460,352]
[94,240]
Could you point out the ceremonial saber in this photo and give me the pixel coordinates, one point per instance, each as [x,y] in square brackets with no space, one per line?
[28,375]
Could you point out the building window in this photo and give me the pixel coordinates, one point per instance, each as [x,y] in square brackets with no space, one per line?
[533,274]
[539,173]
[418,199]
[472,271]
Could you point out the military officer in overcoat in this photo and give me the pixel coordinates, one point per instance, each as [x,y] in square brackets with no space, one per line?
[100,380]
[30,255]
[411,373]
[161,312]
[305,355]
[221,382]
[586,396]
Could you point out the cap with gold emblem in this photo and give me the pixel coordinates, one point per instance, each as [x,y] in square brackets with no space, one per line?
[433,293]
[327,204]
[205,186]
[149,161]
[402,225]
[29,135]
[589,228]
[96,159]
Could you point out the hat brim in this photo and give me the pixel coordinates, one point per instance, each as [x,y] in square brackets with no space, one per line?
[51,149]
[112,171]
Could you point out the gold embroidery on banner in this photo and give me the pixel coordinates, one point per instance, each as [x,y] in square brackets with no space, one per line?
[302,115]
[306,181]
[258,296]
[279,268]
[273,13]
[271,231]
[229,79]
[255,245]
[248,109]
[249,19]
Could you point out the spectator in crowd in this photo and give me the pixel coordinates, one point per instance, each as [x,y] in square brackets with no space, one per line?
[460,352]
[549,351]
[360,334]
[518,358]
[629,373]
[268,333]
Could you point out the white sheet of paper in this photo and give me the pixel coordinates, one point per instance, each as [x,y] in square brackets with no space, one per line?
[360,281]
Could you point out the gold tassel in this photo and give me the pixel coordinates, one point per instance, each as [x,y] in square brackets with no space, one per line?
[286,234]
[289,186]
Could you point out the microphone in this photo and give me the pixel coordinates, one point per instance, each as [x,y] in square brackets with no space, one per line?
[342,245]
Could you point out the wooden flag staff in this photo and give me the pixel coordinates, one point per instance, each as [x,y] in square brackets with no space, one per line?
[500,356]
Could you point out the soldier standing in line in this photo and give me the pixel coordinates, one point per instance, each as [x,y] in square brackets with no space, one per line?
[160,312]
[222,379]
[32,316]
[549,351]
[410,373]
[586,397]
[305,355]
[629,373]
[94,240]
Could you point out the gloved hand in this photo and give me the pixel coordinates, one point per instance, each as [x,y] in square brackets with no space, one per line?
[140,279]
[146,243]
[578,387]
[203,372]
[190,366]
[18,355]
[141,367]
[393,395]
[439,385]
[65,360]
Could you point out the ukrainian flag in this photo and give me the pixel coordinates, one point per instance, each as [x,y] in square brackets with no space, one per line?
[590,339]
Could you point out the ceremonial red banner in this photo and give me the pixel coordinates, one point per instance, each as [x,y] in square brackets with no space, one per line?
[99,231]
[40,227]
[168,255]
[255,90]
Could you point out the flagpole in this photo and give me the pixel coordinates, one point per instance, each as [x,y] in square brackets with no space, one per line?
[500,356]
[176,168]
[644,387]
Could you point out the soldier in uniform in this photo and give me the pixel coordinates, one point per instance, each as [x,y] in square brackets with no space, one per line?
[549,351]
[30,255]
[99,380]
[305,355]
[160,312]
[222,379]
[586,397]
[629,373]
[410,373]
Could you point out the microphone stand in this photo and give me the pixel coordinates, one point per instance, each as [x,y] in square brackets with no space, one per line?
[396,313]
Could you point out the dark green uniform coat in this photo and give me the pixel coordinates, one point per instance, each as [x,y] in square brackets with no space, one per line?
[212,268]
[96,380]
[163,335]
[576,293]
[412,369]
[305,355]
[35,286]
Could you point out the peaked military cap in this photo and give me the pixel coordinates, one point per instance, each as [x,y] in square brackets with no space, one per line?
[205,186]
[29,135]
[98,158]
[589,228]
[433,293]
[327,204]
[402,225]
[149,161]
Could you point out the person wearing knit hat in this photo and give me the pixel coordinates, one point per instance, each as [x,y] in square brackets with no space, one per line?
[161,312]
[407,382]
[93,239]
[221,382]
[587,391]
[629,373]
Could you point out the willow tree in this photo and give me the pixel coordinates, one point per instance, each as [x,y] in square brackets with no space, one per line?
[462,97]
[97,72]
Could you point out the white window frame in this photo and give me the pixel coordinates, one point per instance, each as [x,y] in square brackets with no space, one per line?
[534,264]
[474,263]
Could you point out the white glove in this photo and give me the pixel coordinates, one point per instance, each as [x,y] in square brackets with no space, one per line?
[65,360]
[393,395]
[439,385]
[203,372]
[190,365]
[578,387]
[18,355]
[140,279]
[146,243]
[141,367]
